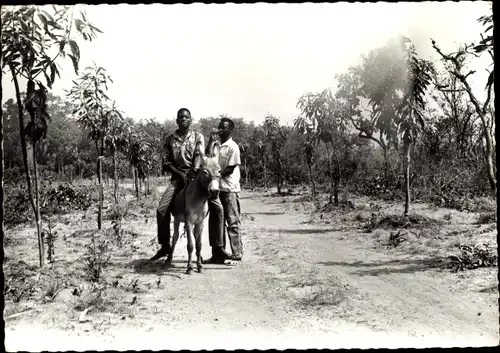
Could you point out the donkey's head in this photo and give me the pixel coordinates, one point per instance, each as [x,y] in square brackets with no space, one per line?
[209,174]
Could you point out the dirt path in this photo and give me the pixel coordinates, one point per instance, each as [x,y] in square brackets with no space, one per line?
[301,286]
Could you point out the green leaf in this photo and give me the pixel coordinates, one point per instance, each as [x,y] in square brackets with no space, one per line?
[49,83]
[75,63]
[62,44]
[490,80]
[43,19]
[48,16]
[95,29]
[52,73]
[35,71]
[74,49]
[55,25]
[79,25]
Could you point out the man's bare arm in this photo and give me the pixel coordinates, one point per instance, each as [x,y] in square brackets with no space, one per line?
[227,171]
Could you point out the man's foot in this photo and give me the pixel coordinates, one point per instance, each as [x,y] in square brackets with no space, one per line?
[236,257]
[214,260]
[223,254]
[164,251]
[168,261]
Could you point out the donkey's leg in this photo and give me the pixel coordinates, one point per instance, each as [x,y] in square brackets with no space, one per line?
[189,236]
[198,230]
[175,238]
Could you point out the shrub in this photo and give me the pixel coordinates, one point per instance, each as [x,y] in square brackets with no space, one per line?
[97,257]
[472,257]
[65,198]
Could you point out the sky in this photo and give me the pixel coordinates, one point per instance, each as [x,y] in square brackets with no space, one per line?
[248,60]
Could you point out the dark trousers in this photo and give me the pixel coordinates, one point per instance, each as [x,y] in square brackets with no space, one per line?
[216,223]
[163,214]
[225,209]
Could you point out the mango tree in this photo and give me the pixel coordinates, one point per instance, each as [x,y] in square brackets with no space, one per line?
[324,115]
[139,156]
[153,133]
[116,140]
[244,151]
[306,131]
[94,113]
[349,90]
[397,97]
[276,136]
[32,41]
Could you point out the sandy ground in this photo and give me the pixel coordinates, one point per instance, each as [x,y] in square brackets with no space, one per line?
[304,283]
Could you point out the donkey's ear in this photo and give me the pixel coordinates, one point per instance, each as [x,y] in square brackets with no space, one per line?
[215,150]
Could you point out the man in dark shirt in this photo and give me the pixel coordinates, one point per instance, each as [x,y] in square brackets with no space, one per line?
[180,151]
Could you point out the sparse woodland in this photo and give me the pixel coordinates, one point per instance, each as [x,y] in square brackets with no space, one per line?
[397,128]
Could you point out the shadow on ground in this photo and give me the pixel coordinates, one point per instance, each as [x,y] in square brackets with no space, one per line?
[81,233]
[263,213]
[392,266]
[304,231]
[145,266]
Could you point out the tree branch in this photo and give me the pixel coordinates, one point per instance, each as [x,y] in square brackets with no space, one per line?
[370,137]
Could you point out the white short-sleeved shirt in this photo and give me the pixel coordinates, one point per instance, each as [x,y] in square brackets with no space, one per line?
[229,155]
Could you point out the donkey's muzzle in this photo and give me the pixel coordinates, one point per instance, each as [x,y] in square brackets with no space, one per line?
[214,185]
[213,195]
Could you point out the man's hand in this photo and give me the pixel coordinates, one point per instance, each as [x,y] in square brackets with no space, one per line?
[191,174]
[183,177]
[214,135]
[227,171]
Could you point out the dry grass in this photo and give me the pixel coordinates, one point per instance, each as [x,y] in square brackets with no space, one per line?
[68,280]
[322,295]
[428,231]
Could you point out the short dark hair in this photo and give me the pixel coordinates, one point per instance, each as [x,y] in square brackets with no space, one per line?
[229,121]
[183,110]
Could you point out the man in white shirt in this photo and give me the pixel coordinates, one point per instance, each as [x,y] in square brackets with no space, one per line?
[229,161]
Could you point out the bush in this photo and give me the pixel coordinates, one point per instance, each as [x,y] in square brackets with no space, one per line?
[65,198]
[53,200]
[472,257]
[17,208]
[97,257]
[486,218]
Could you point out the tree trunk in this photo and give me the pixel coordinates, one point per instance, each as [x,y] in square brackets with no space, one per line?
[489,161]
[487,135]
[406,166]
[309,165]
[115,177]
[245,168]
[136,182]
[279,180]
[23,138]
[1,179]
[330,170]
[265,174]
[386,163]
[337,175]
[38,219]
[35,207]
[101,188]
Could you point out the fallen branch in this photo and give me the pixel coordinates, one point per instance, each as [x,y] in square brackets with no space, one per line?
[18,314]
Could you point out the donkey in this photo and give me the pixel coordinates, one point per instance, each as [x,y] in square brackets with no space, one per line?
[190,205]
